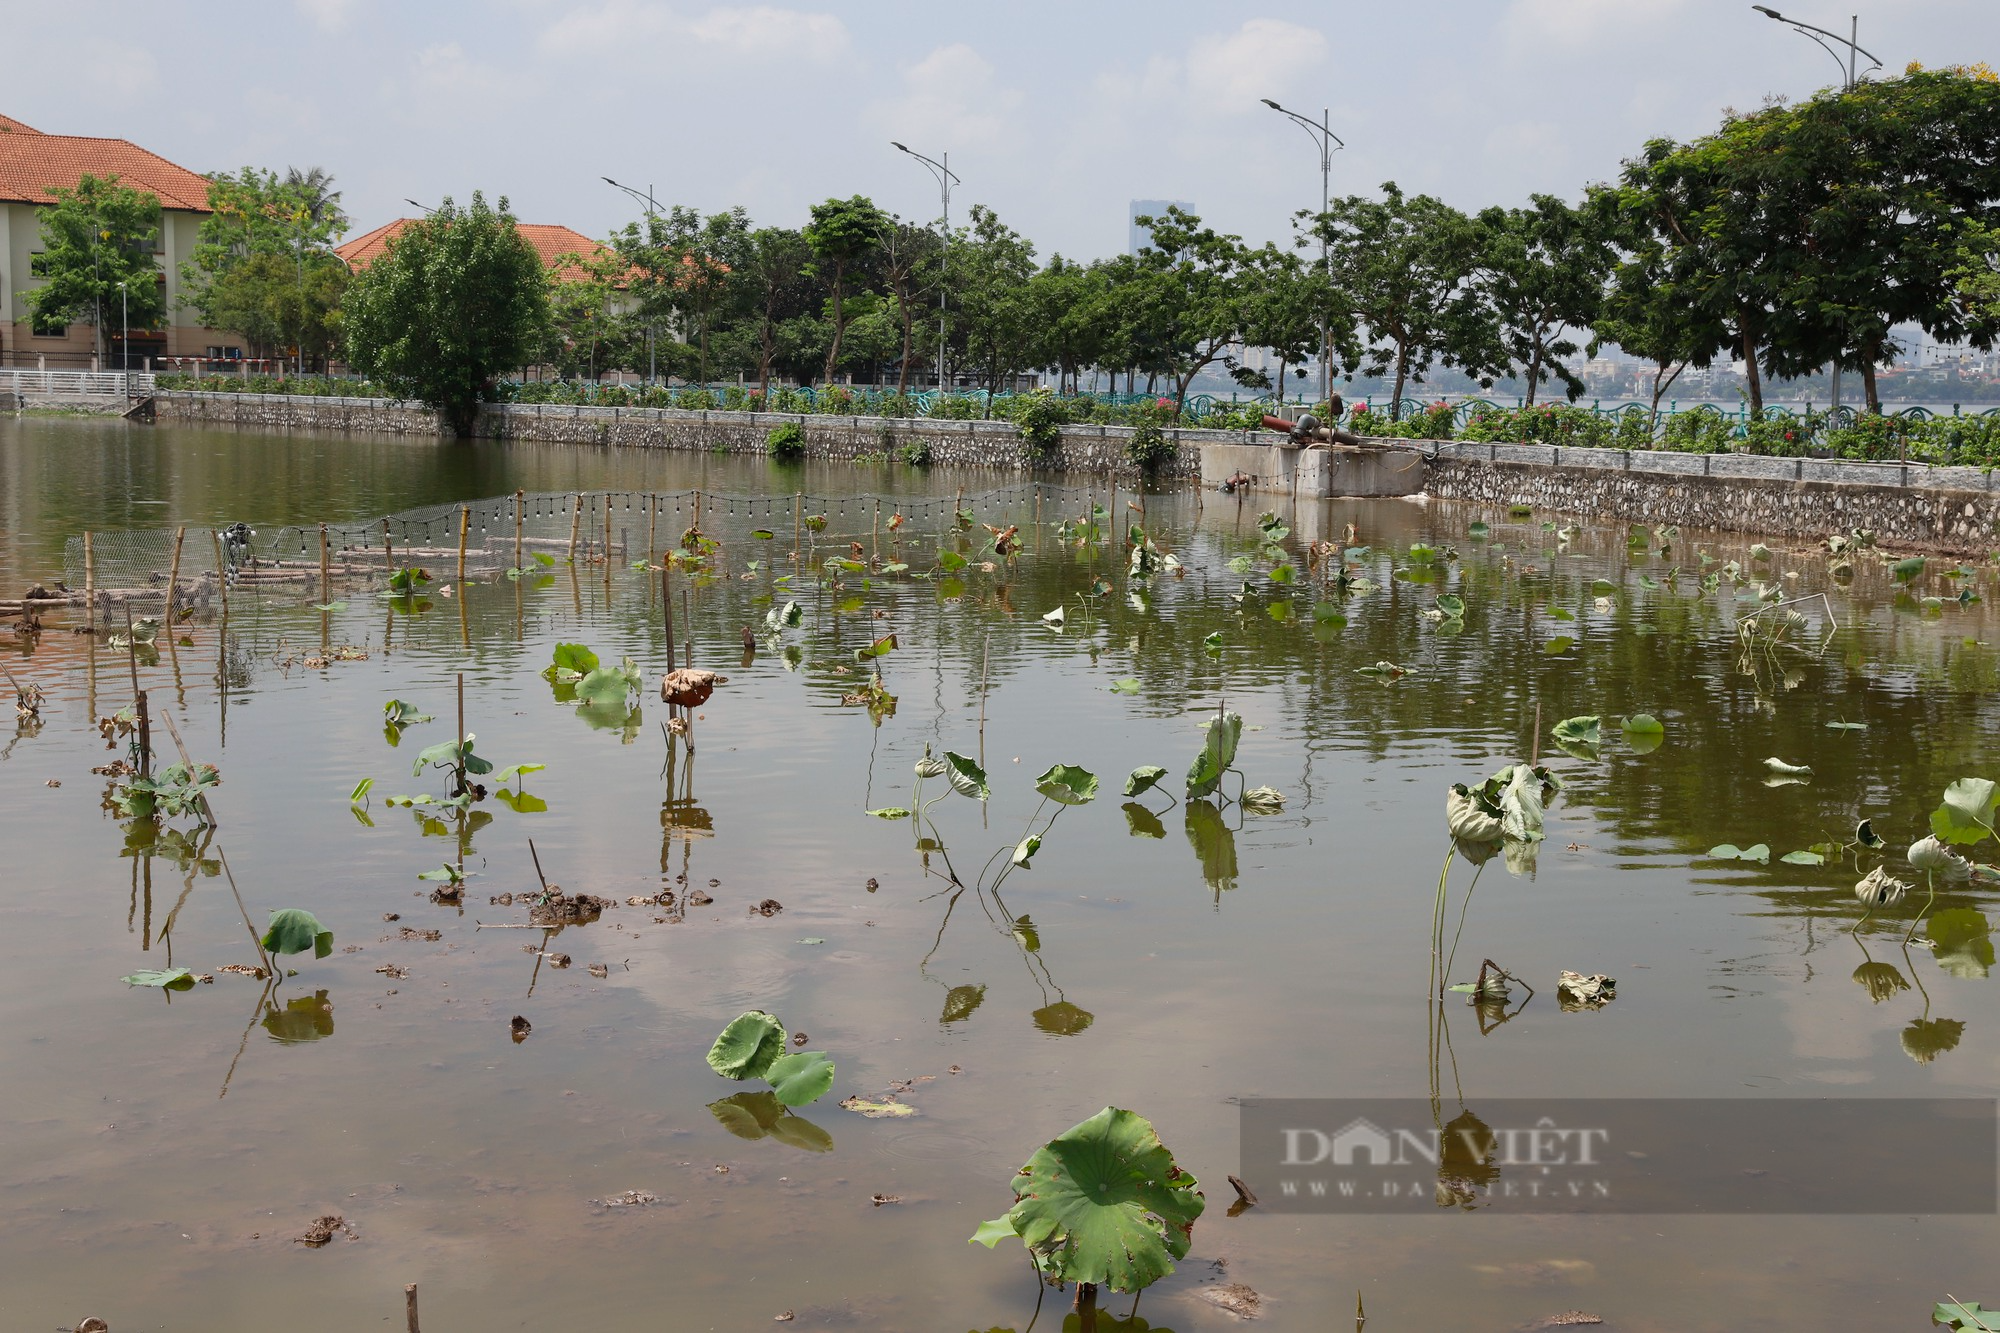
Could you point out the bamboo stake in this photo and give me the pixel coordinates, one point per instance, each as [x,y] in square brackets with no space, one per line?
[520,498]
[687,626]
[464,530]
[325,578]
[221,574]
[388,550]
[1113,525]
[985,653]
[89,585]
[575,520]
[174,575]
[798,528]
[652,525]
[410,1306]
[875,537]
[607,535]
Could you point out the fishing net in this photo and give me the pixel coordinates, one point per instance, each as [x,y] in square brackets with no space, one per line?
[539,528]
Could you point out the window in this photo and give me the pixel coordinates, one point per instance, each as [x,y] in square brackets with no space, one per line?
[51,327]
[38,265]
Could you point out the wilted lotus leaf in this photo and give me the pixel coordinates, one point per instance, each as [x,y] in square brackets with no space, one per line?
[1263,800]
[1143,779]
[1963,942]
[1878,888]
[690,687]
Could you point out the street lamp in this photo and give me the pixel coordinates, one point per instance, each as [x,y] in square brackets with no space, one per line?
[1849,79]
[945,181]
[125,338]
[652,211]
[414,204]
[1328,143]
[1852,42]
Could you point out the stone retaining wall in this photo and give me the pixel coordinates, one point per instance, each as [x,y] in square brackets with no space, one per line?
[1952,510]
[996,444]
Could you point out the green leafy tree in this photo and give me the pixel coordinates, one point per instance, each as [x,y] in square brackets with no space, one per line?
[1540,272]
[1644,310]
[1188,298]
[96,262]
[1404,265]
[258,225]
[774,286]
[458,299]
[587,335]
[1072,318]
[909,272]
[844,235]
[991,268]
[1284,302]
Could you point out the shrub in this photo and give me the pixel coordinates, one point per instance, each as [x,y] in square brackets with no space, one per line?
[1543,423]
[695,400]
[736,399]
[957,407]
[1040,417]
[916,452]
[1701,431]
[1432,423]
[835,400]
[786,442]
[1149,449]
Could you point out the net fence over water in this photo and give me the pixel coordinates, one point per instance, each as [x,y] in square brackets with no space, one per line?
[511,531]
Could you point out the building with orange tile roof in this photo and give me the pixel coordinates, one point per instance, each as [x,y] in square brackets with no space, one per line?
[33,165]
[550,241]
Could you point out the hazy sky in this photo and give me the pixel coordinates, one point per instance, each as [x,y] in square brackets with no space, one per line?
[1054,114]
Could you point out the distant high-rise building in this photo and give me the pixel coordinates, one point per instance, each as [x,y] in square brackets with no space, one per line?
[1137,237]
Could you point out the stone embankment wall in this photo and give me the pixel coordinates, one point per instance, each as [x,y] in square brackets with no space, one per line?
[1913,505]
[993,444]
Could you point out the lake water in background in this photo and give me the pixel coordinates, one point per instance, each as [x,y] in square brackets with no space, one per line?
[159,1152]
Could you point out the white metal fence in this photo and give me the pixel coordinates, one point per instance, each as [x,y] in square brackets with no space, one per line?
[74,383]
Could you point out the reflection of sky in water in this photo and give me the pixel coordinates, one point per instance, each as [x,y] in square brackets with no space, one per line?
[1215,955]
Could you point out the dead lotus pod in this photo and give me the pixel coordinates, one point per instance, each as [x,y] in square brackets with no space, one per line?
[689,687]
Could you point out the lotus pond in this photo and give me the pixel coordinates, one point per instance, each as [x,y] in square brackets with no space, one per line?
[899,831]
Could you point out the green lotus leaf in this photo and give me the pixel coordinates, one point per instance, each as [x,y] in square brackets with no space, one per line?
[800,1078]
[295,930]
[748,1046]
[1105,1203]
[967,778]
[1067,784]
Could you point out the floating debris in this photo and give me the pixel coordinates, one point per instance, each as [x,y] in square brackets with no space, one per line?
[1576,991]
[520,1027]
[629,1199]
[878,1110]
[322,1230]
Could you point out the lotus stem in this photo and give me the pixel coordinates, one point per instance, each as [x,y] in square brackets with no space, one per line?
[1930,880]
[1477,872]
[1437,922]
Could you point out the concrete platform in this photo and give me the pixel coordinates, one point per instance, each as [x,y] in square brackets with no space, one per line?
[1367,469]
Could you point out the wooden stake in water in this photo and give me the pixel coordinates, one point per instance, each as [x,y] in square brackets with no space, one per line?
[575,521]
[607,534]
[388,550]
[89,585]
[520,506]
[464,530]
[410,1306]
[985,654]
[1112,524]
[325,576]
[798,527]
[652,526]
[221,573]
[174,575]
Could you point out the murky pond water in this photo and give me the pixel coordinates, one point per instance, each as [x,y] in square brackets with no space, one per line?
[163,1150]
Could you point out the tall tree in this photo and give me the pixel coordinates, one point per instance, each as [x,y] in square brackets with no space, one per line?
[1645,311]
[908,263]
[96,262]
[1188,299]
[1404,266]
[458,299]
[843,234]
[772,278]
[991,267]
[1541,271]
[1285,300]
[258,223]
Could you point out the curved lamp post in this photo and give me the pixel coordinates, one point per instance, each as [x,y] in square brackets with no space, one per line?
[1328,143]
[945,181]
[1849,78]
[652,211]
